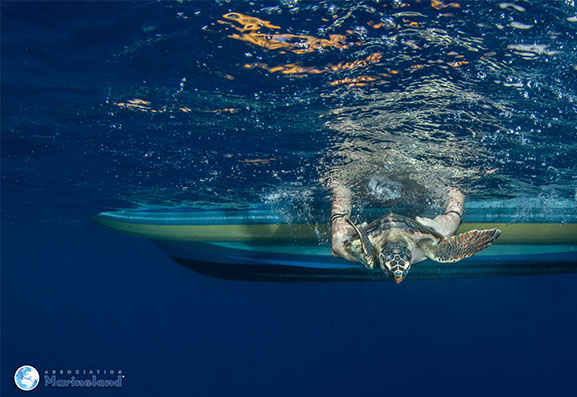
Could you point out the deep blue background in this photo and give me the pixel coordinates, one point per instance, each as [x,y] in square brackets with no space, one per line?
[85,297]
[78,296]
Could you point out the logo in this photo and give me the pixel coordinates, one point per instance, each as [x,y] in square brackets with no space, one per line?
[26,378]
[83,378]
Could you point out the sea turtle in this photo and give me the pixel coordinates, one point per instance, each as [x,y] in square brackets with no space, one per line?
[395,242]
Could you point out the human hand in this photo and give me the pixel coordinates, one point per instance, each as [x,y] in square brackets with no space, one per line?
[448,223]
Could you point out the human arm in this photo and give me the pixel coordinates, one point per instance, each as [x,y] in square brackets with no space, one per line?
[341,230]
[448,223]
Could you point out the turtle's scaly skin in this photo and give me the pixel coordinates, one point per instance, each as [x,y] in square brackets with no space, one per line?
[361,248]
[459,247]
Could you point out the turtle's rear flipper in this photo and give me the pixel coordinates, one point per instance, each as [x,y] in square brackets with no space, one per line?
[462,246]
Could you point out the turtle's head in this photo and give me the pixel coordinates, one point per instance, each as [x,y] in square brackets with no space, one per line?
[395,260]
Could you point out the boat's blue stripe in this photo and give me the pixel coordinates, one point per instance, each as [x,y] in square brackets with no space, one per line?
[499,211]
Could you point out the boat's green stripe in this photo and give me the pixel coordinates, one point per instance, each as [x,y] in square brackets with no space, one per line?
[512,233]
[529,233]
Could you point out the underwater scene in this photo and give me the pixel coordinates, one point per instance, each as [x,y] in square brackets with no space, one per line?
[280,198]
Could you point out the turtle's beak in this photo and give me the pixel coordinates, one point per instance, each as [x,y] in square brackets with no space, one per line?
[398,277]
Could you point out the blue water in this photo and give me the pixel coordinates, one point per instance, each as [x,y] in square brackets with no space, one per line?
[120,105]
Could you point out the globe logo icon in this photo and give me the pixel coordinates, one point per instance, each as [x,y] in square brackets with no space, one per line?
[26,377]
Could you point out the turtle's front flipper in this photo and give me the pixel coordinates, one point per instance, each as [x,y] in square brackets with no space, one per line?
[464,245]
[367,256]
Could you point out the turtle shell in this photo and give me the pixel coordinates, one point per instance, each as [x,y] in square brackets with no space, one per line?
[395,221]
